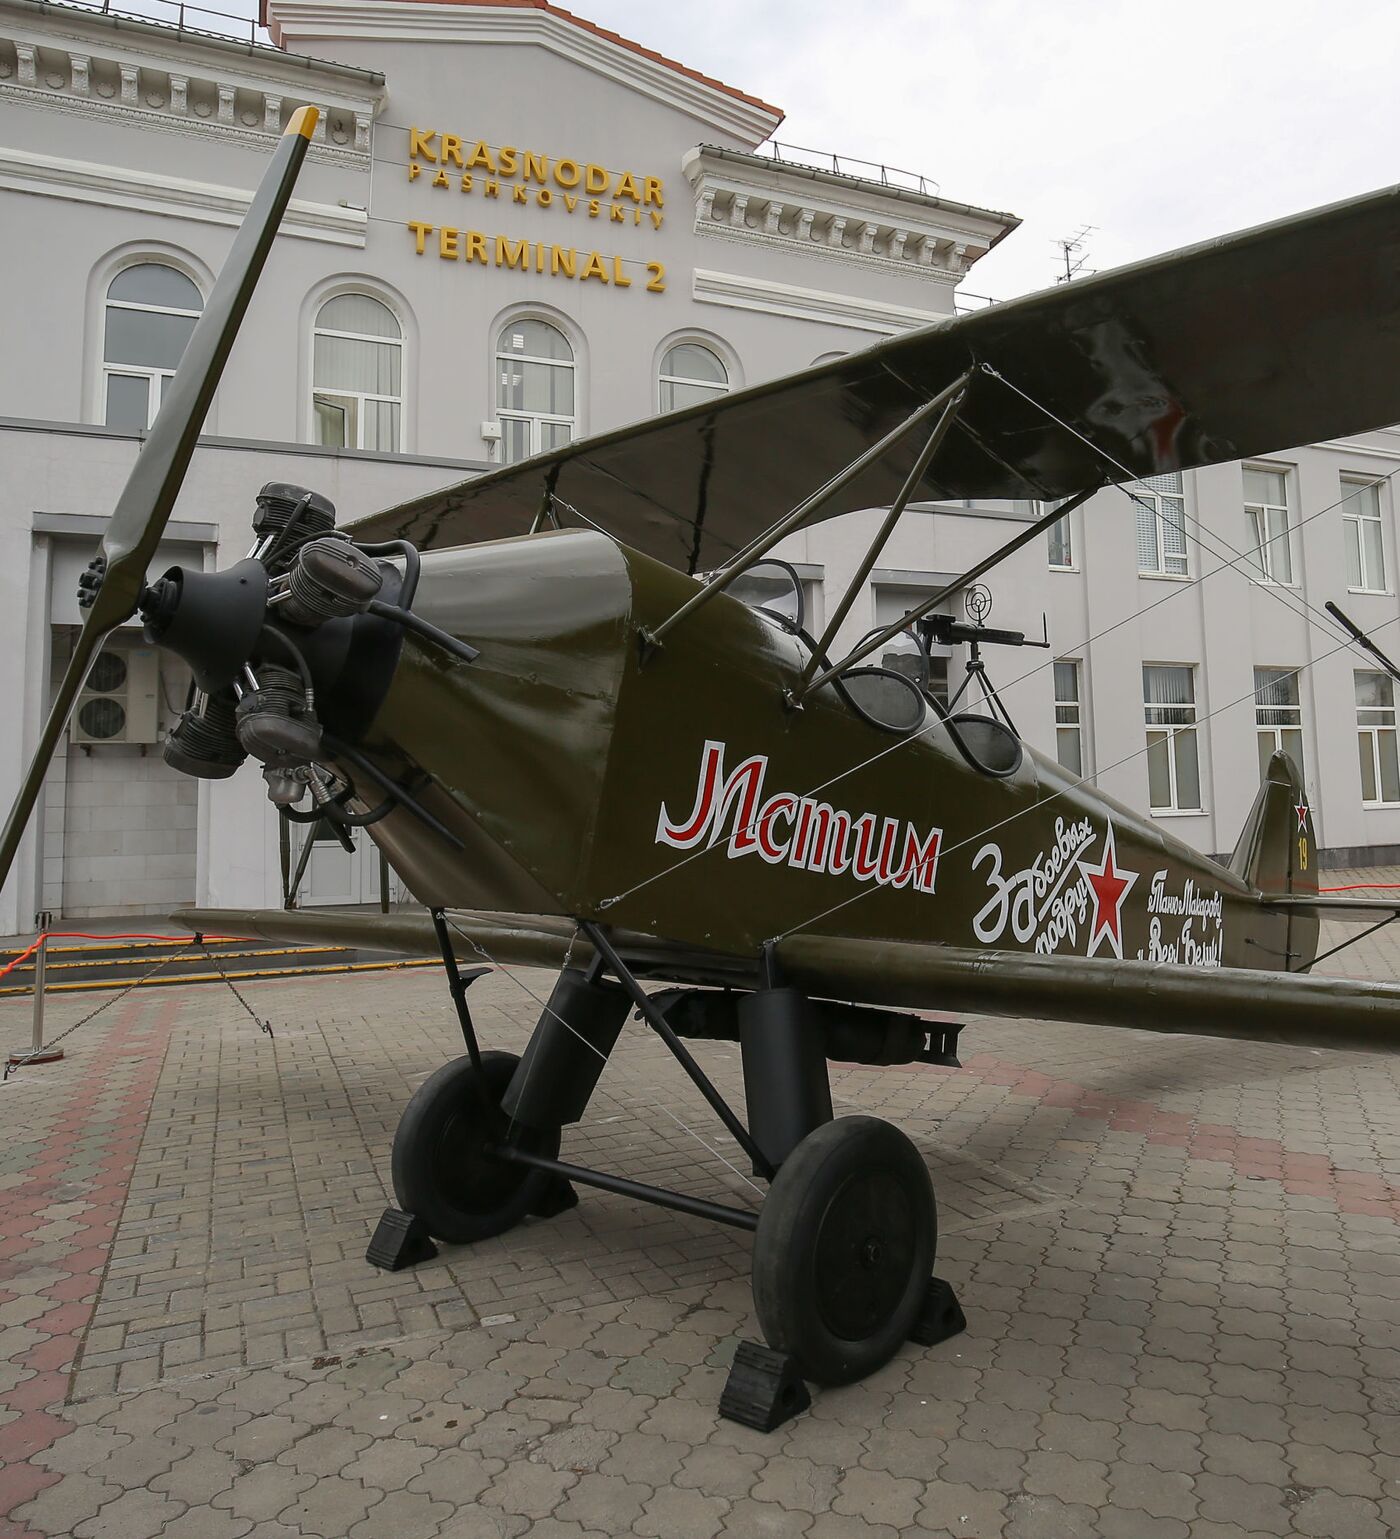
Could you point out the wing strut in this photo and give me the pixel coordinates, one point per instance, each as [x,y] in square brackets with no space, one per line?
[757,549]
[880,637]
[941,429]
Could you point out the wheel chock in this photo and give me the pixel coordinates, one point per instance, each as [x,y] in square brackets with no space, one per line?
[940,1315]
[400,1240]
[764,1388]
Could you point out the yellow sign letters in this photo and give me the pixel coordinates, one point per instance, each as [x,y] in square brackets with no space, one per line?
[530,256]
[525,176]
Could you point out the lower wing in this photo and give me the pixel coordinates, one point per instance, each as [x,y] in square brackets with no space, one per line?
[1240,1003]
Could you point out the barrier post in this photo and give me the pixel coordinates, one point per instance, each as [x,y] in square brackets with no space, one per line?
[37,1052]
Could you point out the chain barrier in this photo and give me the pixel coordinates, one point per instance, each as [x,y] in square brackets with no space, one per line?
[199,944]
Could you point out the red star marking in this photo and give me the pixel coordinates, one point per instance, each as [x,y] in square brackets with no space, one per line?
[1108,886]
[1302,810]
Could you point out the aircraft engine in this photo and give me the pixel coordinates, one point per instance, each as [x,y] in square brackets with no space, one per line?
[295,643]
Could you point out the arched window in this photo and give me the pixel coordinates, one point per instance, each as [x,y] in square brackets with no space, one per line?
[534,389]
[690,374]
[151,311]
[357,374]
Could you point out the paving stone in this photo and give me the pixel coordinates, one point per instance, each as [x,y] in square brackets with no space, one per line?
[60,1508]
[609,1503]
[1073,1481]
[837,1525]
[531,1490]
[1046,1517]
[330,1507]
[798,1484]
[964,1511]
[262,1492]
[877,1496]
[402,1513]
[674,1513]
[204,1522]
[135,1514]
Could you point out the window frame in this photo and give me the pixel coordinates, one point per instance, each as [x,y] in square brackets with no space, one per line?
[1356,521]
[535,420]
[1275,730]
[359,397]
[663,378]
[1065,524]
[1142,495]
[1075,725]
[1263,553]
[1173,808]
[1373,732]
[155,376]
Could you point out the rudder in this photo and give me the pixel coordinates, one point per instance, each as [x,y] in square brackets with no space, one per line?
[1277,849]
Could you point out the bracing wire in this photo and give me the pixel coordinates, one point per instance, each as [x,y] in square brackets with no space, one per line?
[1302,608]
[1036,806]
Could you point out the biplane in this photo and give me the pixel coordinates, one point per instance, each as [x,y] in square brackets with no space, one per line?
[576,704]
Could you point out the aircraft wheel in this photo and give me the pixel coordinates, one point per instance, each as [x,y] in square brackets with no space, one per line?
[441,1168]
[844,1249]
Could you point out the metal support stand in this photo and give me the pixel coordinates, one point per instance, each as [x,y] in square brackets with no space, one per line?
[38,1053]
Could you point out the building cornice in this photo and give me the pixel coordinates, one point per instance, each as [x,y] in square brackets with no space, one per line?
[738,291]
[893,230]
[169,88]
[745,118]
[82,181]
[144,34]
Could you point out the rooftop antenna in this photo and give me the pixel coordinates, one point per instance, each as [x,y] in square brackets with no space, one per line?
[1074,253]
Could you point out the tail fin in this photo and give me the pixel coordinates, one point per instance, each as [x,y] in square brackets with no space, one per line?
[1277,852]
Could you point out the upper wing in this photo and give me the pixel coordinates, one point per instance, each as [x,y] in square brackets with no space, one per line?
[1281,335]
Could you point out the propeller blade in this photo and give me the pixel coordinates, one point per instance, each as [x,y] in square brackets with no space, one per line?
[144,508]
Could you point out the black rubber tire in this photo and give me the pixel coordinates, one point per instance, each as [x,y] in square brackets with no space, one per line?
[441,1169]
[844,1249]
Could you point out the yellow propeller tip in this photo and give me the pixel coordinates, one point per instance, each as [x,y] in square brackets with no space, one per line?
[303,121]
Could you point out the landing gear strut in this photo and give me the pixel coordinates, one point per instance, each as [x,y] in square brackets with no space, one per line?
[844,1243]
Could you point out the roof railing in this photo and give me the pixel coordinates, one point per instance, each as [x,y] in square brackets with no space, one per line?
[180,15]
[852,166]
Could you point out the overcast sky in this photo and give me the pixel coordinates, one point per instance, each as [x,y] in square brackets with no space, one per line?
[1159,124]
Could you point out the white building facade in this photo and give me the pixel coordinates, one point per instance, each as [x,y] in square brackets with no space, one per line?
[513,230]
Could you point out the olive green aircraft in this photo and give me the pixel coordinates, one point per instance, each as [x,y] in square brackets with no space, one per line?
[575,703]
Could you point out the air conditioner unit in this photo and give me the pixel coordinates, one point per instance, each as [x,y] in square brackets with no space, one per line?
[118,702]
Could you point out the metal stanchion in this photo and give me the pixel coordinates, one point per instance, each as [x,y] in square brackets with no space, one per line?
[38,1053]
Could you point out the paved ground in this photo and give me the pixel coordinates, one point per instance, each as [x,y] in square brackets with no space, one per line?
[1178,1260]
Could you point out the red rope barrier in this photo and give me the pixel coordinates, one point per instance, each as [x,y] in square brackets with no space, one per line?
[1359,886]
[84,935]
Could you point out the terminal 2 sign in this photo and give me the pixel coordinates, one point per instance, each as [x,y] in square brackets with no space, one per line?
[508,174]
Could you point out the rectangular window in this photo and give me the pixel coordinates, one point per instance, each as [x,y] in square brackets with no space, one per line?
[1069,725]
[1375,733]
[1061,544]
[1361,535]
[1266,514]
[1173,756]
[1161,524]
[1278,716]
